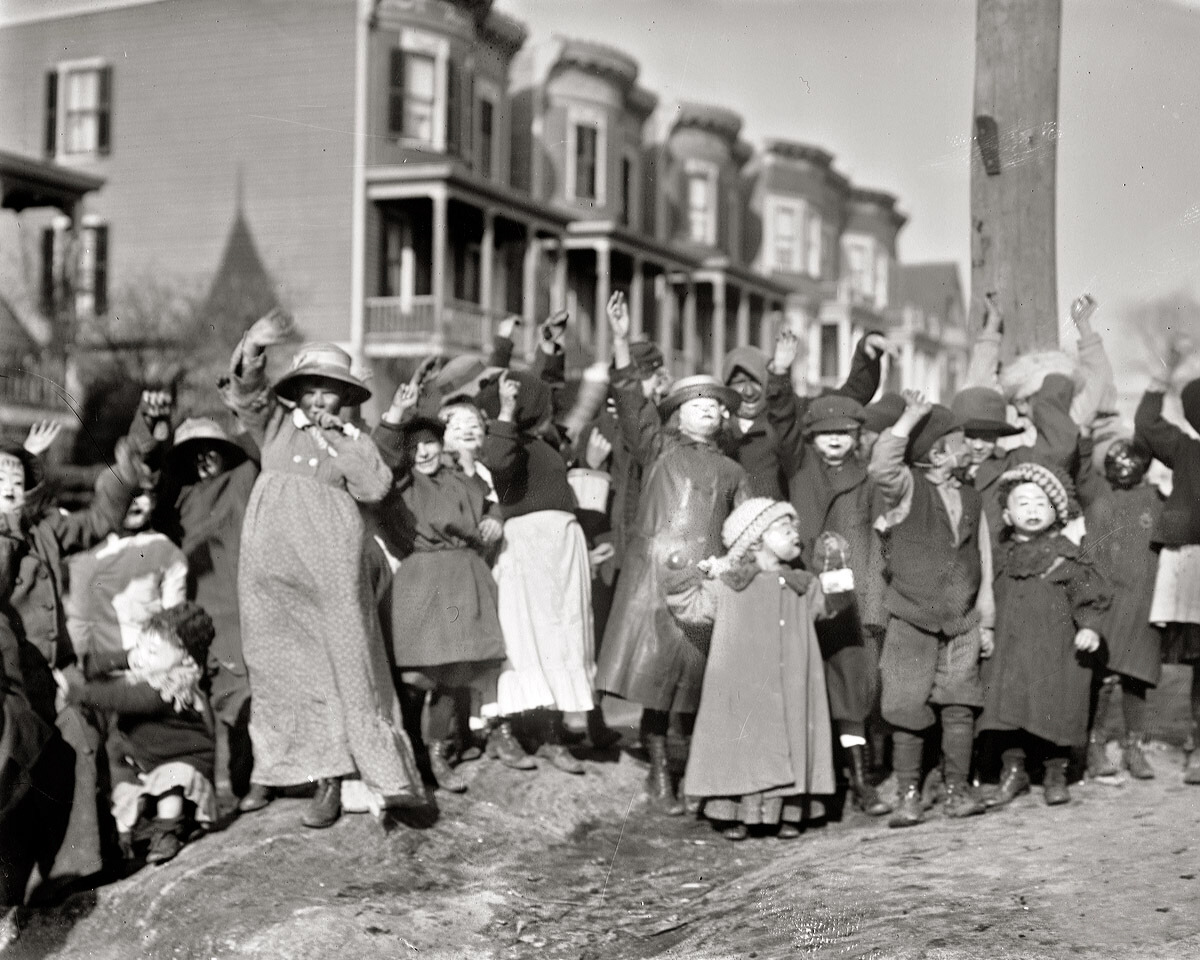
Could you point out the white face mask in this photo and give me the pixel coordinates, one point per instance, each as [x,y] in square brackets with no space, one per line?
[12,484]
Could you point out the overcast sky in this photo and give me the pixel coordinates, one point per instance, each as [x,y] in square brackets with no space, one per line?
[886,85]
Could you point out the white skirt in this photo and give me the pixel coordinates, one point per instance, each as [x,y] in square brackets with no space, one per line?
[128,799]
[1177,586]
[544,583]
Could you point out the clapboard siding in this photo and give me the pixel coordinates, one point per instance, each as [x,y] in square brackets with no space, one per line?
[204,90]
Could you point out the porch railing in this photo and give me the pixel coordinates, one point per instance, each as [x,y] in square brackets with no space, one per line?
[37,388]
[462,325]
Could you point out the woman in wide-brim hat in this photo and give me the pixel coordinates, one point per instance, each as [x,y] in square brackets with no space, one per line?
[324,705]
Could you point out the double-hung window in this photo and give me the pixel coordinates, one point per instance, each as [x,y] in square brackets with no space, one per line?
[412,95]
[79,110]
[701,202]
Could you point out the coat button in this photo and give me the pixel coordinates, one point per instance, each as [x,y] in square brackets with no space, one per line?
[312,462]
[783,623]
[782,582]
[297,458]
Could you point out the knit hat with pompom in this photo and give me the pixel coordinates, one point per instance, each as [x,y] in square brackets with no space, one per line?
[749,522]
[1058,488]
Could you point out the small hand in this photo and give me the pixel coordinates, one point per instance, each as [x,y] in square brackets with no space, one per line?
[424,371]
[327,421]
[915,405]
[987,642]
[618,316]
[1087,640]
[41,436]
[601,554]
[509,388]
[598,450]
[275,327]
[787,348]
[405,398]
[555,326]
[157,407]
[993,320]
[507,327]
[1082,308]
[490,530]
[876,344]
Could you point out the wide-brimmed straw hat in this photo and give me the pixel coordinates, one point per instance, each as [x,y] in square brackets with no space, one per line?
[197,431]
[700,386]
[323,360]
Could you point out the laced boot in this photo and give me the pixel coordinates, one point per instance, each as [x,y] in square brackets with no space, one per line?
[960,800]
[258,797]
[325,806]
[909,811]
[165,840]
[1054,782]
[1134,759]
[554,747]
[1014,781]
[1098,763]
[443,773]
[865,796]
[503,746]
[658,783]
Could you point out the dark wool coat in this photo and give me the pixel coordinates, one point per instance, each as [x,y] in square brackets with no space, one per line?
[1179,522]
[1046,590]
[1120,526]
[689,488]
[443,604]
[763,723]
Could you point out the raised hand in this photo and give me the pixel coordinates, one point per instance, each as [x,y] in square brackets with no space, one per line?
[275,327]
[916,405]
[787,348]
[508,326]
[598,450]
[876,344]
[993,320]
[405,398]
[1082,308]
[509,388]
[555,326]
[157,407]
[424,371]
[618,316]
[42,436]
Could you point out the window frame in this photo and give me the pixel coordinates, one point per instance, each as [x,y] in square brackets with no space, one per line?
[585,117]
[58,112]
[487,94]
[437,49]
[693,171]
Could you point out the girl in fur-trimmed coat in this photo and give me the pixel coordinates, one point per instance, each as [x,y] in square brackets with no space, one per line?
[762,741]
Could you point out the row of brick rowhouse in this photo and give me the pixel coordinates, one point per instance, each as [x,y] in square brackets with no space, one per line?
[401,173]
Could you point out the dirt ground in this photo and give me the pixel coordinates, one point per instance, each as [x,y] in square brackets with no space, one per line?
[547,865]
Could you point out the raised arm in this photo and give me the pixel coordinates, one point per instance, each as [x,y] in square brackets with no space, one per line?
[892,478]
[1050,411]
[985,351]
[1098,381]
[640,425]
[1161,437]
[866,368]
[245,389]
[785,410]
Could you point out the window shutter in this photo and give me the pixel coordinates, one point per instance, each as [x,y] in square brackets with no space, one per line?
[48,279]
[453,111]
[104,114]
[51,113]
[100,280]
[396,92]
[469,142]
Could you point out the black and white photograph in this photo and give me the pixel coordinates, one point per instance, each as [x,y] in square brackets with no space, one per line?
[599,479]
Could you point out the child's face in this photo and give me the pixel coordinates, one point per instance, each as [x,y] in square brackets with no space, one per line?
[657,385]
[979,449]
[155,654]
[701,417]
[1028,510]
[835,447]
[137,517]
[427,457]
[782,540]
[950,451]
[12,483]
[754,398]
[210,462]
[320,395]
[464,431]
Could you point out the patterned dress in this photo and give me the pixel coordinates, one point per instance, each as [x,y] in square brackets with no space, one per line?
[323,702]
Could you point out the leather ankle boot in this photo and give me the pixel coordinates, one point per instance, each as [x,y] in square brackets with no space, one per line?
[601,735]
[258,797]
[865,796]
[503,746]
[1134,760]
[961,800]
[325,806]
[1098,764]
[1014,781]
[165,841]
[659,787]
[1054,782]
[445,774]
[909,810]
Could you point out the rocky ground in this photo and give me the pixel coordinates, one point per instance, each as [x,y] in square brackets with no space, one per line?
[548,865]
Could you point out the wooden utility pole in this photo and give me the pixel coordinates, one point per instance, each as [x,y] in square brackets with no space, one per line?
[1013,159]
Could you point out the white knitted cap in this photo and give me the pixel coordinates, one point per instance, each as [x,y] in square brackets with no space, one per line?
[749,521]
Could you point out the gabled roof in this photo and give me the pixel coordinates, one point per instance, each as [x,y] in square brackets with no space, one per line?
[929,287]
[242,289]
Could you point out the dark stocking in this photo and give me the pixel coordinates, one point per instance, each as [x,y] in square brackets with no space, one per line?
[908,749]
[958,738]
[1133,706]
[412,706]
[440,724]
[655,723]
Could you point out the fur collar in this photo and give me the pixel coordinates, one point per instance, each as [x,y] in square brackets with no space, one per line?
[1037,557]
[741,576]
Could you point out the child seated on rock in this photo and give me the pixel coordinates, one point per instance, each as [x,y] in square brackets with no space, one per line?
[1050,603]
[762,743]
[164,748]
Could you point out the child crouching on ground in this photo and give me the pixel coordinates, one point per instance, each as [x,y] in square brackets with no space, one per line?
[937,555]
[164,746]
[762,742]
[1050,604]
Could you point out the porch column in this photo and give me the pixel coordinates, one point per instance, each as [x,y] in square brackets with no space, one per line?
[487,253]
[437,270]
[690,346]
[637,298]
[603,288]
[718,322]
[743,318]
[765,332]
[529,285]
[560,277]
[664,304]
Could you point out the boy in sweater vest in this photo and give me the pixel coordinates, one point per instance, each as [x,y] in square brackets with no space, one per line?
[938,598]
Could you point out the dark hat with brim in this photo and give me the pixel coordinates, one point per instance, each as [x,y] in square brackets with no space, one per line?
[982,412]
[203,431]
[412,428]
[698,387]
[646,357]
[326,360]
[936,424]
[34,473]
[462,378]
[883,413]
[833,414]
